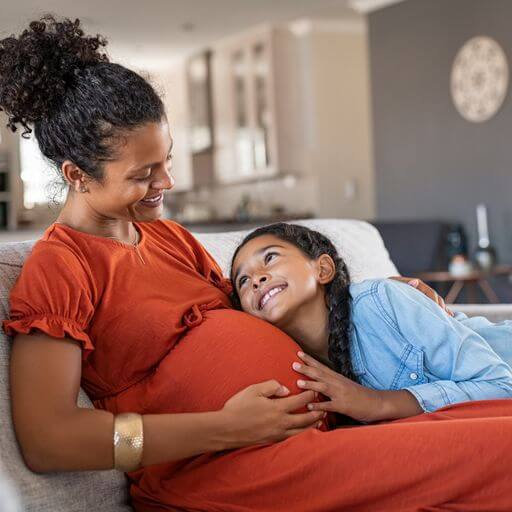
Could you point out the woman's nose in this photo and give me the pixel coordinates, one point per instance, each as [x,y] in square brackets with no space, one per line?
[258,281]
[165,181]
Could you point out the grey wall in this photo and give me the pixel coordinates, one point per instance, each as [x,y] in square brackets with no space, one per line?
[429,162]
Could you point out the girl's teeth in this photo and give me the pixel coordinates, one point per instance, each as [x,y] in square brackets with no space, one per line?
[269,295]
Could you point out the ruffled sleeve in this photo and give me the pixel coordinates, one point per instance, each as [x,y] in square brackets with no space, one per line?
[54,294]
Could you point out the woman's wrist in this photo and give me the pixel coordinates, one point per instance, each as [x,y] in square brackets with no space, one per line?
[225,434]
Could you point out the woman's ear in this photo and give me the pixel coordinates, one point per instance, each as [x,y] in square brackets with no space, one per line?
[74,176]
[326,269]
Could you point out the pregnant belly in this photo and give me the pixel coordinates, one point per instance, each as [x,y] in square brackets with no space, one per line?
[227,352]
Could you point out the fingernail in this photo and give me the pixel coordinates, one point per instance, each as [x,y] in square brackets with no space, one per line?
[284,389]
[414,282]
[310,407]
[301,383]
[296,366]
[324,415]
[300,354]
[319,424]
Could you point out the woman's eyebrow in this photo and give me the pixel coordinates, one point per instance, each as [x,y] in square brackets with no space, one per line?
[257,253]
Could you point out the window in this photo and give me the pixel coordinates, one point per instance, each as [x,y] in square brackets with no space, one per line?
[38,176]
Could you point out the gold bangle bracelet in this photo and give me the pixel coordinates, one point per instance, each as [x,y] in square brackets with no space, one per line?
[128,441]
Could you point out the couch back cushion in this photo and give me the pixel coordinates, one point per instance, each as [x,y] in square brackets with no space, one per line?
[358,242]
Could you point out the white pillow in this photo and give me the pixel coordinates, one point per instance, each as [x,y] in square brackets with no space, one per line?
[358,242]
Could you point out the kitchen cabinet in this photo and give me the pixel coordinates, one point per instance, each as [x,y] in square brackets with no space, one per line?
[247,85]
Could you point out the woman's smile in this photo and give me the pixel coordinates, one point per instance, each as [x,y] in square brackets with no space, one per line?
[152,202]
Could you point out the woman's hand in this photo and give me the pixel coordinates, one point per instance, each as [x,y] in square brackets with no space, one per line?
[260,414]
[426,290]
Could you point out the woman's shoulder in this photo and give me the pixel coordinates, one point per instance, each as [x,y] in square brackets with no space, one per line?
[57,250]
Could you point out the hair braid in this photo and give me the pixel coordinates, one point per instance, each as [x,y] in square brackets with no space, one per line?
[337,296]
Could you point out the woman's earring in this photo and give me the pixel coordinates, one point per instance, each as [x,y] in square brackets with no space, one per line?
[83,189]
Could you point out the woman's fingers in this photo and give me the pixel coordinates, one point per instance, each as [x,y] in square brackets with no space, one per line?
[295,402]
[304,420]
[428,291]
[270,388]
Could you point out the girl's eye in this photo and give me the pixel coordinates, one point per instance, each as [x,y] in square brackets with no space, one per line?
[241,281]
[269,256]
[169,156]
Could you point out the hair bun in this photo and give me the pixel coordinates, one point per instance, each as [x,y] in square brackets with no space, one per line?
[38,67]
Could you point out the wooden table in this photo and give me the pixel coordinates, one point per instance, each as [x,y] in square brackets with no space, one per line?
[476,278]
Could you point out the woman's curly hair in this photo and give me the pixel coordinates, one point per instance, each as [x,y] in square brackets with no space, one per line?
[58,81]
[337,296]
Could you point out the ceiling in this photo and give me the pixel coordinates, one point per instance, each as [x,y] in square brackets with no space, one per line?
[151,34]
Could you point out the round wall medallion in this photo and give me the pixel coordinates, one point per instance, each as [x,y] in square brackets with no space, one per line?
[479,79]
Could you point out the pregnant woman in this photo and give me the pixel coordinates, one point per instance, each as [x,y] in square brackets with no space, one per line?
[133,309]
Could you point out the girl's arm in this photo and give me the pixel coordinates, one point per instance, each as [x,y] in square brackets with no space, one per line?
[464,365]
[56,435]
[463,362]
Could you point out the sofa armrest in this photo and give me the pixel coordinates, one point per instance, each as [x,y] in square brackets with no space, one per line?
[493,312]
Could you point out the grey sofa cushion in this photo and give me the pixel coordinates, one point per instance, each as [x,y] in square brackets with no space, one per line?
[104,491]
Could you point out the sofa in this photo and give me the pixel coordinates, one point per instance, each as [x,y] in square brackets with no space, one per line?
[106,491]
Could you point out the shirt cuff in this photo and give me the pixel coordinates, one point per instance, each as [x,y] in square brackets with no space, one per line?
[430,396]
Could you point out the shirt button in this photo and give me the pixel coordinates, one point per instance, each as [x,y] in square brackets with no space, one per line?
[413,376]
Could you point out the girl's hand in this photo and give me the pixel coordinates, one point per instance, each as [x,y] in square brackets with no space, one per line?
[259,414]
[426,290]
[350,398]
[346,397]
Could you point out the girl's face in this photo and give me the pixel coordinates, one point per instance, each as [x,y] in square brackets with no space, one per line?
[134,184]
[274,279]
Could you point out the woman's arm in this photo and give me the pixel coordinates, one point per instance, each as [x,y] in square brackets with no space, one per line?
[56,435]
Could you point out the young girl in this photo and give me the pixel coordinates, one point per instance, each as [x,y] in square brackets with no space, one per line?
[381,349]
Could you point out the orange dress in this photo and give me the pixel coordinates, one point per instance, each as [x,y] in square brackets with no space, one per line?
[159,336]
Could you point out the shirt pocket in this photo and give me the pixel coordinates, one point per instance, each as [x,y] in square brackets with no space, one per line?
[411,370]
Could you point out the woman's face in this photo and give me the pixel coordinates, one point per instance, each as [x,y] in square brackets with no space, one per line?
[274,279]
[133,185]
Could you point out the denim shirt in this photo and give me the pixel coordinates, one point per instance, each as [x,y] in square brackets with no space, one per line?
[403,340]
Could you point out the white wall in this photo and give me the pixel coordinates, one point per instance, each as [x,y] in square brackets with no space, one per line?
[338,126]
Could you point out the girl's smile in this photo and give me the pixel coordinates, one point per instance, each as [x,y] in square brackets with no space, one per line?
[270,295]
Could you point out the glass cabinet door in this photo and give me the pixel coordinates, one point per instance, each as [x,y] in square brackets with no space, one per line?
[244,153]
[261,70]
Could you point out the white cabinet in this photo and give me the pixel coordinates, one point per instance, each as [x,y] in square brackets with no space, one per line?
[243,96]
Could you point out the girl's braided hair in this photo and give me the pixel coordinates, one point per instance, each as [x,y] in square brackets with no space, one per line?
[337,297]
